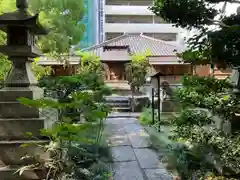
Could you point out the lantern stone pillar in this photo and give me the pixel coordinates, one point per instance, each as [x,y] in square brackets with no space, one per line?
[15,118]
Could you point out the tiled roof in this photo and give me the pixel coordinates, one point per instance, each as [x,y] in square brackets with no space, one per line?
[139,44]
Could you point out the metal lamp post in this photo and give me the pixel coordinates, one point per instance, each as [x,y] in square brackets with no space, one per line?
[155,82]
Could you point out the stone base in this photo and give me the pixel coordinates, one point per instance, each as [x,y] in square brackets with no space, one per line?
[168,105]
[15,120]
[15,129]
[139,102]
[9,173]
[11,153]
[13,93]
[11,108]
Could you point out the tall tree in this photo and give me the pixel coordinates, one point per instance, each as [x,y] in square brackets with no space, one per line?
[61,18]
[218,44]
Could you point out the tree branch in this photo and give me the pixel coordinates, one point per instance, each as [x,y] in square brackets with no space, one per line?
[224,8]
[218,22]
[235,1]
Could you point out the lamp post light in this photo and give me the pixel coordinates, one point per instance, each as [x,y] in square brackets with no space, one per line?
[155,83]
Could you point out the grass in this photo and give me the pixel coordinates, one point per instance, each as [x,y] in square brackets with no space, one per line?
[146,117]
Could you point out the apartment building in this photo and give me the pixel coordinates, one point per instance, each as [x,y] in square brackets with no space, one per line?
[134,16]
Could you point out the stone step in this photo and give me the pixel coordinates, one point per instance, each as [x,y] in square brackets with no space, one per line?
[14,109]
[117,98]
[118,104]
[12,153]
[124,115]
[121,109]
[9,173]
[15,129]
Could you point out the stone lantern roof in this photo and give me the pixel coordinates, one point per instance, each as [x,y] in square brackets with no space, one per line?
[21,18]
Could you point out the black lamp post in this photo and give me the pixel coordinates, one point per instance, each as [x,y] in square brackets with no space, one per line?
[155,82]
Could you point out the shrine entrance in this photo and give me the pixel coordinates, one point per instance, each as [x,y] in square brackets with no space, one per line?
[114,71]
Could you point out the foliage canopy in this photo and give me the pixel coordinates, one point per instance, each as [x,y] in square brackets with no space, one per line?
[219,44]
[60,17]
[136,70]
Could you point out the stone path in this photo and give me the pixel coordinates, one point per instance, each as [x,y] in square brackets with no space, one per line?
[132,157]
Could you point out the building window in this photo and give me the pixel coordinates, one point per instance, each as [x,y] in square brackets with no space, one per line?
[158,20]
[163,36]
[129,2]
[116,19]
[109,36]
[117,2]
[129,19]
[141,19]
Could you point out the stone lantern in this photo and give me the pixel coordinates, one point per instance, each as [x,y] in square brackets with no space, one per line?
[15,118]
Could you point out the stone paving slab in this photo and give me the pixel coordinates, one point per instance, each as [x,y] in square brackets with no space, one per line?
[123,153]
[127,171]
[139,139]
[157,174]
[115,129]
[130,128]
[148,159]
[132,157]
[118,140]
[120,121]
[127,121]
[113,121]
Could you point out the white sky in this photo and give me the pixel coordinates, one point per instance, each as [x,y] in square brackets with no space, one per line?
[230,9]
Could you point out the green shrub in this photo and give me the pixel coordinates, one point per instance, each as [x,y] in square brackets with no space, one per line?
[146,116]
[196,128]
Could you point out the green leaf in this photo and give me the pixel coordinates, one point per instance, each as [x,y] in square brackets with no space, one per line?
[28,134]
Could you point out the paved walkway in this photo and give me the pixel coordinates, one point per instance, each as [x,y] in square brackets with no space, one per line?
[132,157]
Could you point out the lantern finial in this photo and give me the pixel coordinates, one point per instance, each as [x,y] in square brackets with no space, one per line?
[22,4]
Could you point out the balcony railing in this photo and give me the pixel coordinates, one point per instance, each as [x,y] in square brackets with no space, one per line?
[139,28]
[129,2]
[127,10]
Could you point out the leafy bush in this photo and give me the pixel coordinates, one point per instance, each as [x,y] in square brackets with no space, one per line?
[146,116]
[76,138]
[189,117]
[77,141]
[137,70]
[211,149]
